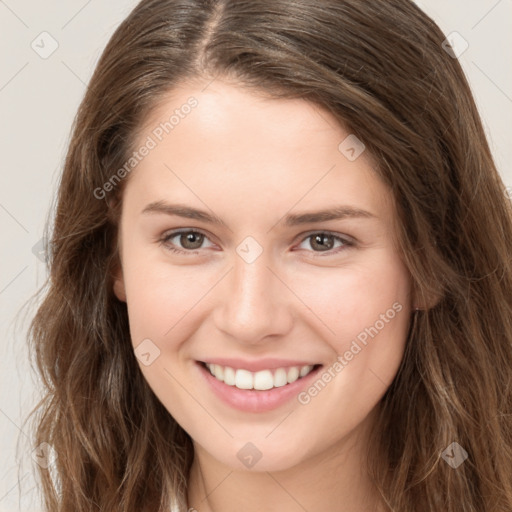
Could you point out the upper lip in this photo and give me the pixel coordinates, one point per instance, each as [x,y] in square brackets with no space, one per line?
[256,365]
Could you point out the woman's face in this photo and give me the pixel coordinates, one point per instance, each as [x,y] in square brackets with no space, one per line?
[285,265]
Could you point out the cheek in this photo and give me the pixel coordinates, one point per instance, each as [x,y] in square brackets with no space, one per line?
[348,302]
[364,313]
[160,297]
[368,310]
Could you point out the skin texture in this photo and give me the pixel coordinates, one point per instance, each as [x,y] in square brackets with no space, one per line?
[251,161]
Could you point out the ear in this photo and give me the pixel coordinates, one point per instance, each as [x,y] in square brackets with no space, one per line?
[119,289]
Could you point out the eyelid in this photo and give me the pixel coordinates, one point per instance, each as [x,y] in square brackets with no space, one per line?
[346,238]
[177,231]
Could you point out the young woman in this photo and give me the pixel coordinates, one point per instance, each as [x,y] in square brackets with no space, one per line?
[280,270]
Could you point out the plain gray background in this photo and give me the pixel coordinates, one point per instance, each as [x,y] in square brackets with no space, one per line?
[38,101]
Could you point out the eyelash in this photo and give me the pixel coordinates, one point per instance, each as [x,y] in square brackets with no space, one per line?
[170,247]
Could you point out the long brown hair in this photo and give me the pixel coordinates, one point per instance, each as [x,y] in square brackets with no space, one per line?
[380,68]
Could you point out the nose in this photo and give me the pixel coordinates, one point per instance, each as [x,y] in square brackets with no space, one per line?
[254,305]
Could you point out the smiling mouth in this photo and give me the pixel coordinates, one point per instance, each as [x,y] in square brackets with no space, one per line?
[261,380]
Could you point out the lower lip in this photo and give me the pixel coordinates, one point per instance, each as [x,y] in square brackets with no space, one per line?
[252,400]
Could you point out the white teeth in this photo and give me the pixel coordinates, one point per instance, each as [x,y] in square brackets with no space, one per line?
[229,376]
[243,379]
[218,371]
[280,378]
[305,370]
[262,380]
[293,374]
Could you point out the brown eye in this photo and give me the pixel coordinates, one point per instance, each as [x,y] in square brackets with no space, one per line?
[322,242]
[184,241]
[191,240]
[326,242]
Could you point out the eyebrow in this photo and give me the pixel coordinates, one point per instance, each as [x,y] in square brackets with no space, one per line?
[295,219]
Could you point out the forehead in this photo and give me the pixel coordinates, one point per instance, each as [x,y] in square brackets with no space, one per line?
[228,142]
